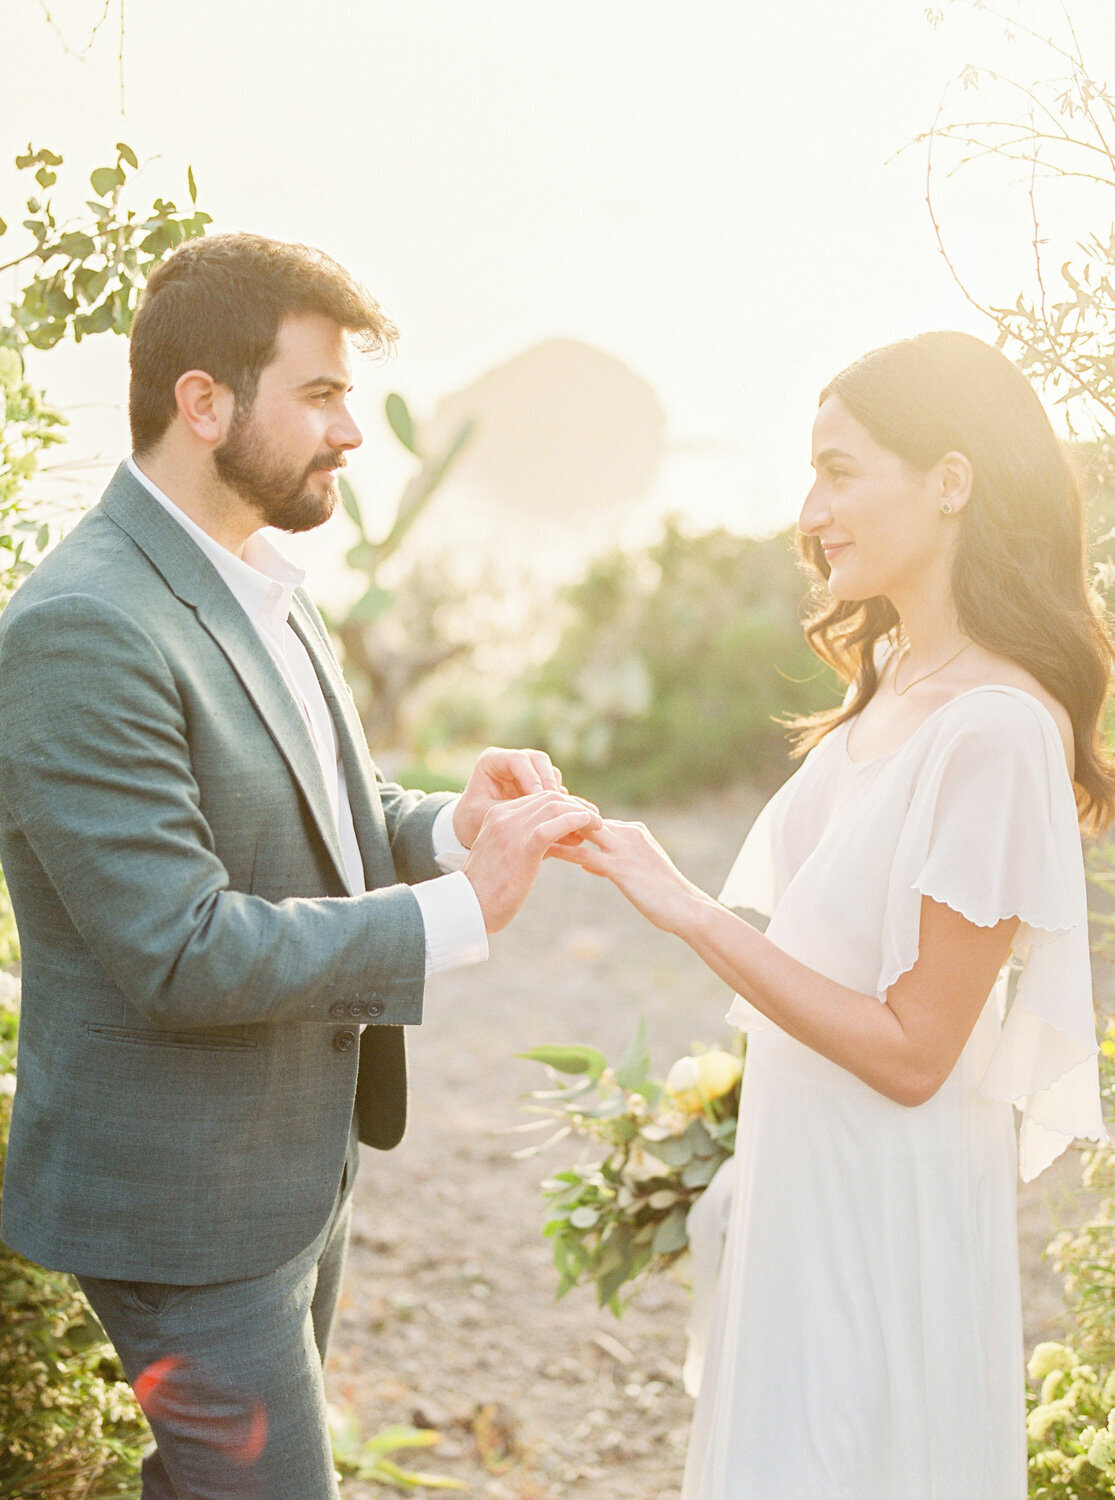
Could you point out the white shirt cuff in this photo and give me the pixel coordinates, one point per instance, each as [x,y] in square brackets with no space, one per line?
[449,852]
[454,923]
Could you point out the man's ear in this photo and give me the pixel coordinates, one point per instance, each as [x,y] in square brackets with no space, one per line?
[206,406]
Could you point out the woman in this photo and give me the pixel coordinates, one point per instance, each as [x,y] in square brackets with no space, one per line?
[867,1340]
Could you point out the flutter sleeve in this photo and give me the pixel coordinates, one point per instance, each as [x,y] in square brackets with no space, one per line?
[750,881]
[992,832]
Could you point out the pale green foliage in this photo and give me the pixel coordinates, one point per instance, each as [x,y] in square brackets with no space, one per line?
[369,1458]
[1071,1427]
[394,637]
[69,1424]
[30,427]
[89,270]
[675,663]
[617,1215]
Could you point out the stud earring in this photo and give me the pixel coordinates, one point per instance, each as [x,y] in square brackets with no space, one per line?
[946,508]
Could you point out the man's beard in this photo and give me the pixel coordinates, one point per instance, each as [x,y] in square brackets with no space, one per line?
[280,493]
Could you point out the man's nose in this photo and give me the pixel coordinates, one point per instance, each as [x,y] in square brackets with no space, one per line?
[344,432]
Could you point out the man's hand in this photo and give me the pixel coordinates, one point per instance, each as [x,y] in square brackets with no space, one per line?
[500,776]
[513,840]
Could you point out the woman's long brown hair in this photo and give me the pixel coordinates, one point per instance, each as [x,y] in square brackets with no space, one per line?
[1020,577]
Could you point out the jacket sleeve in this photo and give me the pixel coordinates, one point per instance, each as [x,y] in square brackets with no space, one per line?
[96,776]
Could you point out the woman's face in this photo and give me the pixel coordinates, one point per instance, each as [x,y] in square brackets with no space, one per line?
[879,523]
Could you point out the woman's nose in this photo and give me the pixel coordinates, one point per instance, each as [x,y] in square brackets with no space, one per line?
[815,514]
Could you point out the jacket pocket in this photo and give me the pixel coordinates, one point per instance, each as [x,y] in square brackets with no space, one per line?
[194,1041]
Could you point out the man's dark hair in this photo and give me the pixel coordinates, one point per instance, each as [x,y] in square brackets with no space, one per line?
[217,305]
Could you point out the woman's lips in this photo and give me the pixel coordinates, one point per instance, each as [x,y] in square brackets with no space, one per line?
[834,549]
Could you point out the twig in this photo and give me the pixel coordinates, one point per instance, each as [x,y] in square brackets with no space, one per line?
[82,52]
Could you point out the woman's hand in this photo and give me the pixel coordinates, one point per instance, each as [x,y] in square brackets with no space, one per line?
[631,857]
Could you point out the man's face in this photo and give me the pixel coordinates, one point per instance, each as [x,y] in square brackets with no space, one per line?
[280,455]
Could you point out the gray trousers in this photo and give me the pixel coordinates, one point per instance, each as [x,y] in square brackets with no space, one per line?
[230,1375]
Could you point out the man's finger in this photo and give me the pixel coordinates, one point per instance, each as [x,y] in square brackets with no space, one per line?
[547,771]
[554,828]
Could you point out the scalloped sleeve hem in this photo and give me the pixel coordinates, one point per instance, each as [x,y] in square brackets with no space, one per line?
[992,832]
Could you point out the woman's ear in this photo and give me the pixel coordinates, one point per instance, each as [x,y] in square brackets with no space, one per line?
[953,476]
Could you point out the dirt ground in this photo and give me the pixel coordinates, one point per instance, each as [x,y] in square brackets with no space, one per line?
[448,1317]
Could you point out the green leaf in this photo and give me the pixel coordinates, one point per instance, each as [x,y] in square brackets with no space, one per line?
[76,245]
[634,1066]
[370,605]
[350,503]
[401,421]
[3,227]
[127,154]
[670,1236]
[106,179]
[584,1217]
[191,184]
[571,1059]
[45,177]
[700,1171]
[391,1439]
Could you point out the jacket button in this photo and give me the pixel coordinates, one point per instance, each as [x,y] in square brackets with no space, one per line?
[356,1010]
[374,1008]
[338,1011]
[344,1041]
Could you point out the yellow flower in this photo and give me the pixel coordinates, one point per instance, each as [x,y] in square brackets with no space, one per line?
[1049,1357]
[695,1082]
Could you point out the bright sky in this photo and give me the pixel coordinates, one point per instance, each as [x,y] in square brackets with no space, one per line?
[702,190]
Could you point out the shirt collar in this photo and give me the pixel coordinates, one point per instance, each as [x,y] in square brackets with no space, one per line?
[262,582]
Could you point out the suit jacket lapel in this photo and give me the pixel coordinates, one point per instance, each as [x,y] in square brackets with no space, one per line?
[360,773]
[196,582]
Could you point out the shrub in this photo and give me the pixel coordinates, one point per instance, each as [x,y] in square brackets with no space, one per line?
[69,1424]
[674,667]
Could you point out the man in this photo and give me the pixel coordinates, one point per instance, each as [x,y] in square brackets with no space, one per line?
[214,889]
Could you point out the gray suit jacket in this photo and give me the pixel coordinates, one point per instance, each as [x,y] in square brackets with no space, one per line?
[195,968]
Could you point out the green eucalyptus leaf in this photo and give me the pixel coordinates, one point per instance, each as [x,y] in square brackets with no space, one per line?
[634,1066]
[401,421]
[3,227]
[370,605]
[127,154]
[572,1059]
[191,184]
[45,177]
[76,245]
[350,503]
[584,1218]
[700,1171]
[670,1236]
[105,180]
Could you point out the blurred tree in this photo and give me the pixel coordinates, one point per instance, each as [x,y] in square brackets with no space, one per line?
[673,668]
[393,638]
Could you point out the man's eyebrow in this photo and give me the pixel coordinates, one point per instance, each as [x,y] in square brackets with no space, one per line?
[326,382]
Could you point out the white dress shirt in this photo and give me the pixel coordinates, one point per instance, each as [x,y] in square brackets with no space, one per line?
[263,583]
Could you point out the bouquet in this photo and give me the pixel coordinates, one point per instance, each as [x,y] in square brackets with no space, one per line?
[657,1147]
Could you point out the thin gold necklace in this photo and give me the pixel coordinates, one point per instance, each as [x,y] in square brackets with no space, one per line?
[901,692]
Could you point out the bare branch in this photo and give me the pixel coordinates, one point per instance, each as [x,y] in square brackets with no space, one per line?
[80,52]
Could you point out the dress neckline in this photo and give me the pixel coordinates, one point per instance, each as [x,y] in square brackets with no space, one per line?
[980,687]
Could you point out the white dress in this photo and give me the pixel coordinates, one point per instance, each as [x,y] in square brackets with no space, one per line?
[866,1339]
